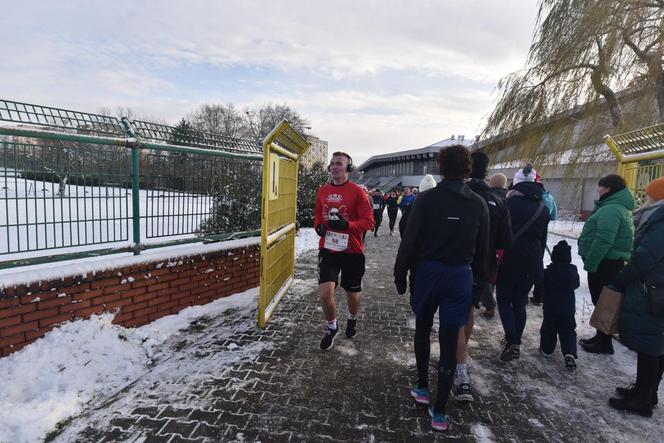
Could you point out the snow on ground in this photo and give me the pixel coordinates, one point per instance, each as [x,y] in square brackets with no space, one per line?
[77,363]
[305,240]
[90,265]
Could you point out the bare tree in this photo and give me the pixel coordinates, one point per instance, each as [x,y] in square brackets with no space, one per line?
[572,60]
[642,31]
[218,119]
[258,122]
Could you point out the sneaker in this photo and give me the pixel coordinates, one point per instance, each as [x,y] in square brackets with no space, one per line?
[544,354]
[351,328]
[570,362]
[463,392]
[327,341]
[421,395]
[511,352]
[439,421]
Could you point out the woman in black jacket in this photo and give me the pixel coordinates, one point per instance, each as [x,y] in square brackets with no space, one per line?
[522,264]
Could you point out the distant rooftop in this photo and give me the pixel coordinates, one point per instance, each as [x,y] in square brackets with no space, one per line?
[416,152]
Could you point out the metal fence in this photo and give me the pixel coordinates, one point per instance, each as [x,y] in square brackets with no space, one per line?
[76,184]
[641,157]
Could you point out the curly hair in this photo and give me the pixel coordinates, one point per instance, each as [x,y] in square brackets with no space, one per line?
[454,162]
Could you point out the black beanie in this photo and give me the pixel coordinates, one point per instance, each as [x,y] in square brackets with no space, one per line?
[562,253]
[480,164]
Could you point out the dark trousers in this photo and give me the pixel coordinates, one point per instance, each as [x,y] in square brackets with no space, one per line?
[538,292]
[512,300]
[378,219]
[392,215]
[447,339]
[649,372]
[556,327]
[606,270]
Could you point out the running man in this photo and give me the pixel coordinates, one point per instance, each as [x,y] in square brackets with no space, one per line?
[343,214]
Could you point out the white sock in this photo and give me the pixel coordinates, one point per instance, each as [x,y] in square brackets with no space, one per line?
[351,316]
[332,324]
[462,373]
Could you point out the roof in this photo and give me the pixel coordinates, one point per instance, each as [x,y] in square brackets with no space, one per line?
[414,153]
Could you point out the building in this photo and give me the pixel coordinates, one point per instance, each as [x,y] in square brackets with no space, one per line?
[316,153]
[405,168]
[568,150]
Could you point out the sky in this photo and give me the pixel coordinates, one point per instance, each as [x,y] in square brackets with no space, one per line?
[372,77]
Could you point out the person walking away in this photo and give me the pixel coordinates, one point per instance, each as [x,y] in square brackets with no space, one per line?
[561,278]
[550,203]
[378,204]
[498,184]
[446,241]
[522,263]
[342,215]
[641,326]
[605,244]
[392,209]
[500,237]
[427,182]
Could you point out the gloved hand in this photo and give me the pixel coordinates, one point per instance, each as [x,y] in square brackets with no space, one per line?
[401,285]
[339,224]
[320,229]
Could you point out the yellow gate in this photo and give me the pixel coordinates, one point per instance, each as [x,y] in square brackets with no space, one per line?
[282,149]
[641,157]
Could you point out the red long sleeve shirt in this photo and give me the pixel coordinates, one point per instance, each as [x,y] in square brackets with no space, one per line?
[347,201]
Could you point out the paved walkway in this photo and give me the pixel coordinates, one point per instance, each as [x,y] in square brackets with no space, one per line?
[359,390]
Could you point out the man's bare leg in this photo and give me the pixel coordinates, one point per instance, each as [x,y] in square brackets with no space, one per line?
[353,308]
[326,295]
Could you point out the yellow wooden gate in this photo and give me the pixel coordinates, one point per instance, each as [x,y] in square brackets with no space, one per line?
[282,149]
[641,157]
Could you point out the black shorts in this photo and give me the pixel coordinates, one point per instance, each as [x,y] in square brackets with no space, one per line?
[351,267]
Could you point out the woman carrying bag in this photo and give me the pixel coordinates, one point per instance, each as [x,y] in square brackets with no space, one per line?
[641,326]
[605,244]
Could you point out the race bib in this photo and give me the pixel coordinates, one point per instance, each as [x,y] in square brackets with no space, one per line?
[376,206]
[336,241]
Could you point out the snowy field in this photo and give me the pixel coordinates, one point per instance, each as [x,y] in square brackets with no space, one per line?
[77,363]
[89,215]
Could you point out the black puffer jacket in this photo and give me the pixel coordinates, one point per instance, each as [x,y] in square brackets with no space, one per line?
[500,226]
[450,224]
[523,261]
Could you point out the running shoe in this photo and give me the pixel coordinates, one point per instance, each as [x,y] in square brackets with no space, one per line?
[439,422]
[351,328]
[328,340]
[463,392]
[421,395]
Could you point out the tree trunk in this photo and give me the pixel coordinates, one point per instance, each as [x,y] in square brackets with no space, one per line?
[601,88]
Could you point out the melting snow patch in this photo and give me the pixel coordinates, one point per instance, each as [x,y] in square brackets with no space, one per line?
[482,433]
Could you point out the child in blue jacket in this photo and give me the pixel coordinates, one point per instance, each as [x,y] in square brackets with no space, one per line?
[561,278]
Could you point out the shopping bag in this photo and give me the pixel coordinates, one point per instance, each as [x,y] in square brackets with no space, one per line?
[606,315]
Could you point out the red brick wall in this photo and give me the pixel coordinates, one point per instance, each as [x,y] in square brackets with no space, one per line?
[138,294]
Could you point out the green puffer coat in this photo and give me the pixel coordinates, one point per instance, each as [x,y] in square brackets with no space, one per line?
[609,231]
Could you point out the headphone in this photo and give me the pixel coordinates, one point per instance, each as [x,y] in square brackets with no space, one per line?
[349,166]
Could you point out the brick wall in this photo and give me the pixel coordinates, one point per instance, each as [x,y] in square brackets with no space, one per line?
[138,294]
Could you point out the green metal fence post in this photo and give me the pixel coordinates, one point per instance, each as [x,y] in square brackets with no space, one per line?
[135,199]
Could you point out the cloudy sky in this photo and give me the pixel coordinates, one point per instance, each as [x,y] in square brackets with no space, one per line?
[371,76]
